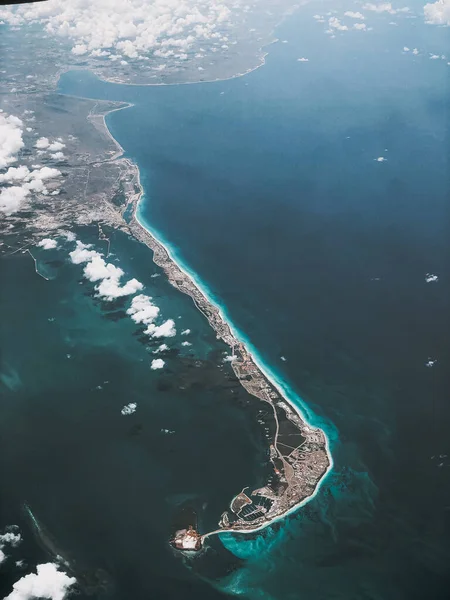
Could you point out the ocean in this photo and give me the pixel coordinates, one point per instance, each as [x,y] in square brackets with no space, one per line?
[269,189]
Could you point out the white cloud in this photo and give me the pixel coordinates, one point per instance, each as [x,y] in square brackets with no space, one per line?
[161,348]
[380,159]
[434,56]
[384,7]
[437,13]
[80,49]
[48,244]
[42,143]
[10,537]
[415,51]
[354,15]
[131,27]
[11,141]
[69,235]
[230,358]
[82,253]
[405,49]
[431,278]
[58,156]
[360,26]
[11,199]
[129,409]
[142,309]
[48,582]
[186,332]
[334,23]
[167,329]
[157,363]
[55,146]
[186,343]
[14,174]
[110,289]
[302,59]
[98,269]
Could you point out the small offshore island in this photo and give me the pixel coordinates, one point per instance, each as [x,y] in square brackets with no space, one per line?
[298,452]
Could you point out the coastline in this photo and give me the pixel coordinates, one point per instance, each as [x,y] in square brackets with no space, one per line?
[153,241]
[265,384]
[164,256]
[261,61]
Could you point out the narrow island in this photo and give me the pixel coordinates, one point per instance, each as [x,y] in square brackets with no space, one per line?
[298,452]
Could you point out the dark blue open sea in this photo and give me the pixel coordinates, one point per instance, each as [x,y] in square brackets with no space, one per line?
[267,188]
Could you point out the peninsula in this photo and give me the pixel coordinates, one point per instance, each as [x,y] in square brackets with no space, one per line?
[298,452]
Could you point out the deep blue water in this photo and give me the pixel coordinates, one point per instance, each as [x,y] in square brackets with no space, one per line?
[267,188]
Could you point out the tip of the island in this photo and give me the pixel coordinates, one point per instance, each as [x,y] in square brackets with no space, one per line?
[187,540]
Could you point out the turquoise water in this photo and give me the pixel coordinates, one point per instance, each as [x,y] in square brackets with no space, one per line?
[107,488]
[267,188]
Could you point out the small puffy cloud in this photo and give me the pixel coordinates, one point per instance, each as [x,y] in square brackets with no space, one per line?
[434,56]
[69,235]
[42,143]
[11,199]
[186,332]
[82,253]
[142,309]
[431,278]
[430,362]
[303,59]
[405,49]
[334,23]
[415,51]
[437,13]
[161,348]
[79,49]
[99,53]
[110,289]
[12,537]
[380,159]
[58,156]
[45,173]
[129,409]
[48,582]
[167,329]
[48,244]
[98,269]
[230,358]
[15,174]
[360,26]
[354,15]
[382,7]
[157,363]
[11,141]
[186,344]
[56,146]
